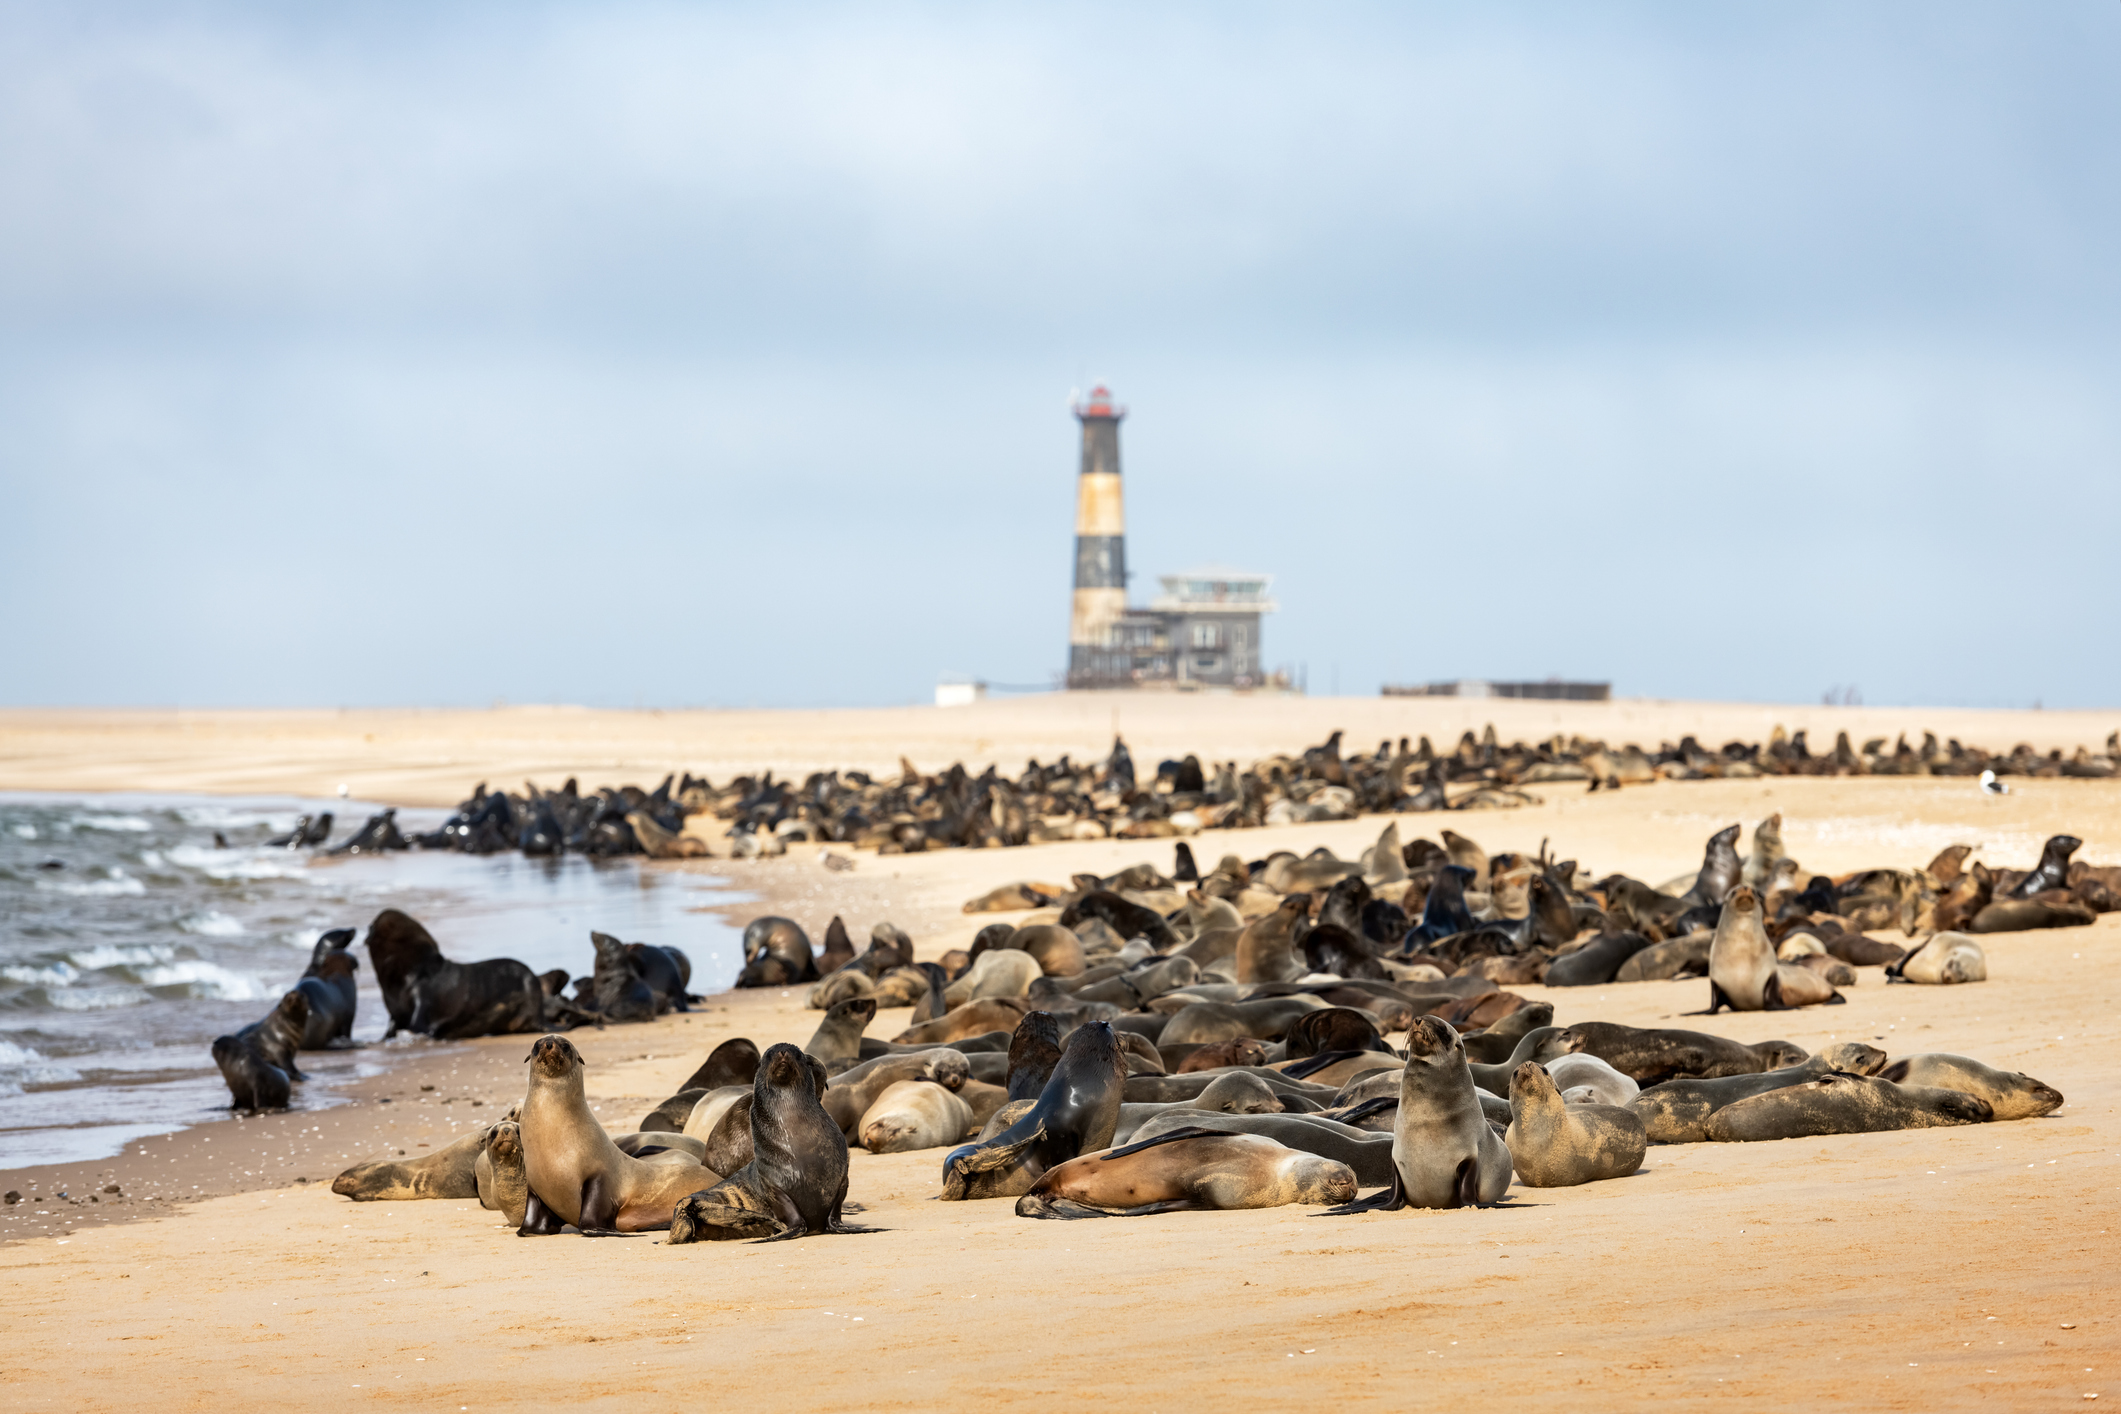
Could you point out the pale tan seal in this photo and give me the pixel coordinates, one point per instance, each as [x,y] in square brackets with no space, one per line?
[1558,1145]
[577,1176]
[2010,1094]
[1743,972]
[499,1172]
[913,1114]
[1186,1168]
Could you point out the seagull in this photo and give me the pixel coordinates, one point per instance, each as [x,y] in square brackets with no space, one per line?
[1991,786]
[837,863]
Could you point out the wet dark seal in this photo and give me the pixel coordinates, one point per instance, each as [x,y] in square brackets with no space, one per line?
[1076,1113]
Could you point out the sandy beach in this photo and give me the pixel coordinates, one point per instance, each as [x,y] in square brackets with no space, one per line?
[1915,1270]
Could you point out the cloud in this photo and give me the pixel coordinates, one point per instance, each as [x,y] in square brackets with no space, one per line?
[686,354]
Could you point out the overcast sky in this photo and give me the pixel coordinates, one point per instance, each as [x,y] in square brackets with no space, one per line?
[683,355]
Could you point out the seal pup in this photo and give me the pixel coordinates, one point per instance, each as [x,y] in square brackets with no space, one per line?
[2010,1094]
[1743,972]
[1444,1154]
[254,1082]
[1677,1111]
[796,1183]
[576,1175]
[278,1034]
[448,1172]
[1075,1112]
[913,1114]
[1557,1145]
[498,1172]
[1186,1168]
[1720,870]
[1837,1103]
[1767,853]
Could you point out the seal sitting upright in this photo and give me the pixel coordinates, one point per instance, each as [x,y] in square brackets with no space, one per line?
[796,1182]
[1444,1152]
[576,1174]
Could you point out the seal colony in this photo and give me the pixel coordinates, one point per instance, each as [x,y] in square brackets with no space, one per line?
[1149,1049]
[760,816]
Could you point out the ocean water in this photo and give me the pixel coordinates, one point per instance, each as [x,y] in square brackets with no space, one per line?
[129,939]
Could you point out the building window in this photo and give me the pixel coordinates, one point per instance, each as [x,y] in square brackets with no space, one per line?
[1205,662]
[1207,636]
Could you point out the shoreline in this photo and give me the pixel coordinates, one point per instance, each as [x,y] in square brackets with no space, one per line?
[1749,1270]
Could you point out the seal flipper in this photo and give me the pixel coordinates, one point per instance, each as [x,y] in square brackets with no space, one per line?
[1465,1188]
[1717,1001]
[1389,1200]
[538,1220]
[1043,1205]
[1771,995]
[600,1209]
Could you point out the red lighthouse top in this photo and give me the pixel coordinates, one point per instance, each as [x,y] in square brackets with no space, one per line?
[1100,404]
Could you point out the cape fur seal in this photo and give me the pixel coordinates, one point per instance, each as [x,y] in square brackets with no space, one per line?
[1677,1111]
[1556,1145]
[498,1172]
[2010,1094]
[1942,959]
[1186,1168]
[1838,1103]
[1744,974]
[448,1172]
[851,1093]
[913,1114]
[1577,1071]
[428,995]
[1075,1112]
[839,1036]
[777,954]
[796,1182]
[254,1083]
[734,1062]
[328,983]
[1367,1152]
[1648,1056]
[1444,1153]
[576,1175]
[1266,949]
[1546,1043]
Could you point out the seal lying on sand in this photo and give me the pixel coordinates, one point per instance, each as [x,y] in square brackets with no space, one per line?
[2010,1094]
[796,1182]
[1444,1154]
[1076,1113]
[1677,1111]
[1837,1103]
[448,1172]
[1186,1168]
[576,1174]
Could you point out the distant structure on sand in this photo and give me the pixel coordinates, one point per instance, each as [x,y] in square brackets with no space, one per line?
[1202,631]
[1552,690]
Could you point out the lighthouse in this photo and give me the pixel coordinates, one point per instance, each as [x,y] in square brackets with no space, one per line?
[1094,659]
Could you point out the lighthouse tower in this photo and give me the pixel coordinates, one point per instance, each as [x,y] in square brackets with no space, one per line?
[1094,660]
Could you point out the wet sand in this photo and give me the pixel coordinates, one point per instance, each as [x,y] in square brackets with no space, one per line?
[1859,1270]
